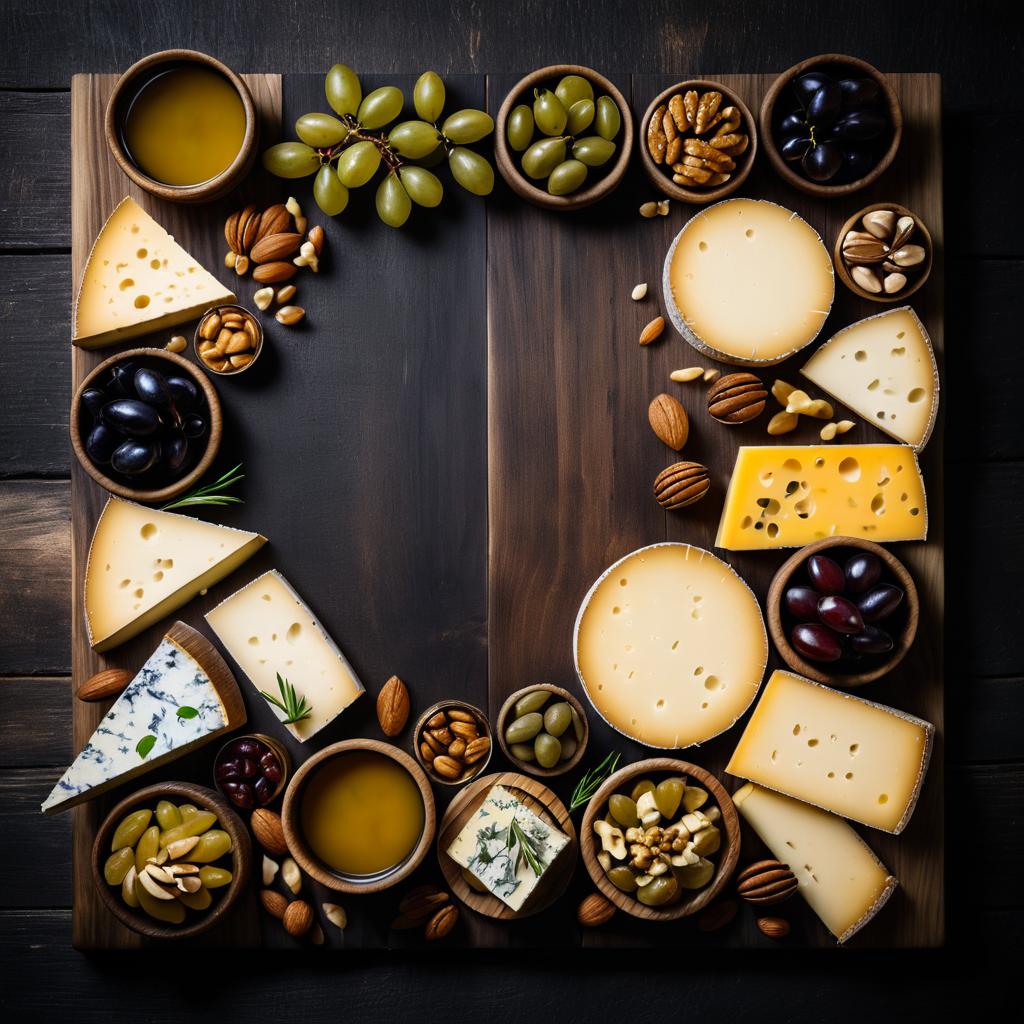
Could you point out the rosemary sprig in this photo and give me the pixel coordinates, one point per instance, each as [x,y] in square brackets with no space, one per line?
[293,705]
[517,837]
[209,494]
[591,782]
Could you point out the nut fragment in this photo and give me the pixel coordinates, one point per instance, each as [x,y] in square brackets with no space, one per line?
[681,484]
[274,903]
[316,238]
[781,390]
[393,706]
[229,260]
[285,294]
[263,297]
[289,315]
[442,923]
[638,292]
[182,847]
[242,265]
[669,421]
[298,918]
[773,927]
[782,423]
[336,915]
[595,910]
[663,207]
[652,331]
[316,934]
[291,875]
[176,344]
[649,210]
[844,425]
[711,375]
[270,870]
[828,432]
[685,376]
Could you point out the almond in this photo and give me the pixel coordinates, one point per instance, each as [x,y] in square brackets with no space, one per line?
[595,910]
[773,927]
[274,273]
[231,231]
[108,683]
[275,220]
[273,903]
[268,830]
[393,706]
[276,247]
[669,421]
[298,918]
[316,236]
[652,330]
[442,923]
[248,226]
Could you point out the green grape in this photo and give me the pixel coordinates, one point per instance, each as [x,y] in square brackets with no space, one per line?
[581,116]
[343,89]
[380,107]
[330,195]
[548,112]
[608,120]
[428,96]
[358,164]
[543,157]
[320,130]
[593,150]
[413,139]
[424,188]
[471,171]
[567,177]
[572,89]
[466,126]
[291,160]
[519,127]
[393,203]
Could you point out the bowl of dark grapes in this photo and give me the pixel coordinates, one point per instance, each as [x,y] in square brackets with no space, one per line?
[251,771]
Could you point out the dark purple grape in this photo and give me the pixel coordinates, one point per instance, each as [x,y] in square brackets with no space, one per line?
[859,92]
[152,388]
[823,106]
[863,571]
[226,771]
[102,442]
[857,162]
[240,794]
[272,773]
[802,603]
[134,457]
[822,161]
[131,417]
[825,575]
[860,126]
[267,759]
[793,123]
[808,84]
[880,602]
[122,380]
[184,393]
[175,452]
[816,642]
[264,791]
[93,401]
[840,614]
[246,748]
[247,768]
[194,426]
[794,148]
[872,641]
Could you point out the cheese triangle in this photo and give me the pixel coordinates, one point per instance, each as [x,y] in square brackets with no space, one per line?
[144,564]
[138,280]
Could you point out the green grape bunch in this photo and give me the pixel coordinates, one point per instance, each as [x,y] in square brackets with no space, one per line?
[347,151]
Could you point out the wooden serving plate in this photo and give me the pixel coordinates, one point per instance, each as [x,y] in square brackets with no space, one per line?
[539,799]
[505,720]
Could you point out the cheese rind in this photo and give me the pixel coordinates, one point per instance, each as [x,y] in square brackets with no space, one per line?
[144,564]
[748,282]
[883,368]
[268,629]
[138,280]
[842,753]
[836,871]
[785,496]
[670,646]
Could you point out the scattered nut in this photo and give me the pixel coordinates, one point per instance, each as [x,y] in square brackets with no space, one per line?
[652,330]
[844,425]
[638,292]
[274,273]
[685,376]
[669,421]
[292,206]
[269,831]
[595,910]
[649,210]
[317,238]
[782,423]
[289,315]
[270,870]
[781,390]
[682,484]
[393,706]
[229,260]
[336,915]
[773,927]
[285,294]
[291,875]
[241,265]
[828,432]
[766,882]
[711,375]
[263,297]
[298,918]
[663,206]
[176,344]
[736,398]
[273,902]
[442,923]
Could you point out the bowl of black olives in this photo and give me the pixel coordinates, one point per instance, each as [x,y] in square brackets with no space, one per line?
[831,124]
[843,611]
[146,424]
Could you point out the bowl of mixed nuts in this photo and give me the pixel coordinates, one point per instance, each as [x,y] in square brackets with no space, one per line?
[452,741]
[229,339]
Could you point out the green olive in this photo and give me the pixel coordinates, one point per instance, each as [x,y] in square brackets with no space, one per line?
[193,826]
[532,701]
[567,177]
[520,127]
[199,900]
[187,811]
[547,749]
[695,876]
[623,810]
[641,787]
[523,751]
[668,795]
[557,718]
[622,878]
[573,88]
[577,725]
[543,157]
[148,846]
[548,112]
[130,828]
[118,865]
[167,815]
[593,150]
[658,892]
[524,728]
[214,878]
[607,119]
[694,798]
[212,846]
[581,117]
[569,747]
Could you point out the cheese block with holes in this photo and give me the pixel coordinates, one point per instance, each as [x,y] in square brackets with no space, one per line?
[144,564]
[883,368]
[842,753]
[138,280]
[670,646]
[785,496]
[748,282]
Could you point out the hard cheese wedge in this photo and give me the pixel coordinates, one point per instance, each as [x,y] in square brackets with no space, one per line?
[787,496]
[483,847]
[838,875]
[144,564]
[748,282]
[268,630]
[883,368]
[670,645]
[138,280]
[847,755]
[182,697]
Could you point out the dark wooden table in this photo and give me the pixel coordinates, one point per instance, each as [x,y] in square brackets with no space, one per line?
[45,43]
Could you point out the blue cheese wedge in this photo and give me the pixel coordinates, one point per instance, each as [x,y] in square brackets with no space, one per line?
[484,847]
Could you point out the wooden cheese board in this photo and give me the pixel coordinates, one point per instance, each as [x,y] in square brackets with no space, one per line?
[453,446]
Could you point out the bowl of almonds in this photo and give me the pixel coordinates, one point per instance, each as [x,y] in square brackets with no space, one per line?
[228,340]
[453,742]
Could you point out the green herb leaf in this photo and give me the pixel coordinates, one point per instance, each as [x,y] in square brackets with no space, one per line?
[208,495]
[522,843]
[294,706]
[591,782]
[186,712]
[145,745]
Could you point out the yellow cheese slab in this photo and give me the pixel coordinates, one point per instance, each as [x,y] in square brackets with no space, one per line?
[836,871]
[138,280]
[785,496]
[670,646]
[883,368]
[842,753]
[144,564]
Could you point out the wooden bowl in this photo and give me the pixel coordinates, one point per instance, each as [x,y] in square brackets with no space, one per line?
[181,365]
[662,178]
[241,860]
[283,759]
[725,860]
[125,90]
[922,236]
[860,69]
[307,860]
[816,670]
[505,720]
[483,727]
[508,160]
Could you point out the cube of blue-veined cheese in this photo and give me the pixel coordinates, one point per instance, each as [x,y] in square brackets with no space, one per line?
[482,847]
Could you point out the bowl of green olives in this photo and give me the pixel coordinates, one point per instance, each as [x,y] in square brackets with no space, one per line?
[543,730]
[563,138]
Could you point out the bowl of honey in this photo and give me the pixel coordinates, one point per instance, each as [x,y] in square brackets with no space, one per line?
[359,816]
[182,126]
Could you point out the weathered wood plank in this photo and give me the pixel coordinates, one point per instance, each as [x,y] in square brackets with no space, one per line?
[35,728]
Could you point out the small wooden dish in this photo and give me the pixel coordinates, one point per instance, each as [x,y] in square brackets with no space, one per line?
[125,89]
[725,860]
[201,921]
[152,496]
[229,307]
[661,177]
[818,671]
[483,727]
[283,759]
[505,720]
[508,160]
[922,236]
[539,799]
[861,69]
[306,859]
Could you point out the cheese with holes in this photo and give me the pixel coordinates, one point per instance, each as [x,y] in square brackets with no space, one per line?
[836,871]
[883,368]
[842,753]
[670,646]
[144,564]
[268,630]
[785,496]
[748,282]
[138,280]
